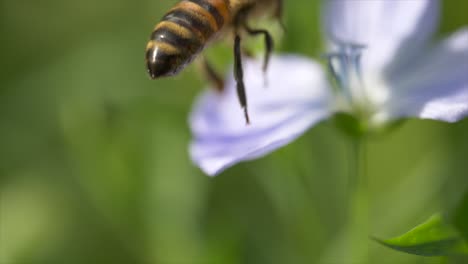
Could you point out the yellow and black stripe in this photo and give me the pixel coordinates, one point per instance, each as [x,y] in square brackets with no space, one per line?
[183,33]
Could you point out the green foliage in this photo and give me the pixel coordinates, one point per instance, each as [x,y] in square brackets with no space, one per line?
[431,238]
[94,165]
[460,217]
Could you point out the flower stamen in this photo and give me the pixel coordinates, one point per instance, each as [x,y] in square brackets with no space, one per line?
[344,66]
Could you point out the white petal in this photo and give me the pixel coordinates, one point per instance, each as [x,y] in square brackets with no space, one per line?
[385,27]
[438,87]
[295,98]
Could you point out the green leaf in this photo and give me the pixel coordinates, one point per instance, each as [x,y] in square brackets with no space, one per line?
[431,238]
[460,219]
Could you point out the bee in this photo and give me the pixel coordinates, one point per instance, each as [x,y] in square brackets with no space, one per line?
[187,28]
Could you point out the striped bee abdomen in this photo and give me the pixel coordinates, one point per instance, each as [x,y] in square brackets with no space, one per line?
[182,34]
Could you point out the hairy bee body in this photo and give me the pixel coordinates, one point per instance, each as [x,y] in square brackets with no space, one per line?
[188,27]
[191,24]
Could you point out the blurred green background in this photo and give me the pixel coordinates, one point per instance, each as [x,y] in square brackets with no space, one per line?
[94,165]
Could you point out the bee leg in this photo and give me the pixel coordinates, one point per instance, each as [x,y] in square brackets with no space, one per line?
[213,77]
[239,76]
[268,44]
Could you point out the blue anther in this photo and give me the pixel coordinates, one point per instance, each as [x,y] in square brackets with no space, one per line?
[344,65]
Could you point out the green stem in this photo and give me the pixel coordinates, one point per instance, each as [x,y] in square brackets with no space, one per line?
[358,213]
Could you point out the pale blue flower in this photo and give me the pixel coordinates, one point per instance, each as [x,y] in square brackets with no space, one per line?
[384,69]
